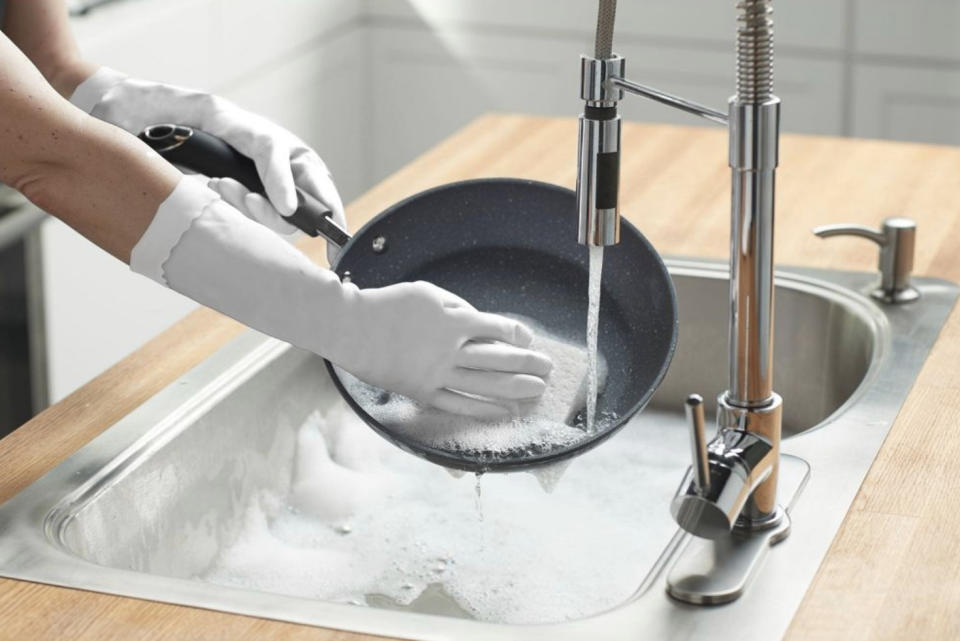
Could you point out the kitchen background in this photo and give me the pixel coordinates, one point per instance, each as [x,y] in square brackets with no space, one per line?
[373,83]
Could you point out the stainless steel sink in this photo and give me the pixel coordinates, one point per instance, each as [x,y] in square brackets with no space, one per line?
[144,509]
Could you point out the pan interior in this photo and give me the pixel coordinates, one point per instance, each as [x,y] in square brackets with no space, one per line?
[510,247]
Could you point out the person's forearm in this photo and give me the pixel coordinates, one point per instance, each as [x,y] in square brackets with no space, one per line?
[104,183]
[41,29]
[101,181]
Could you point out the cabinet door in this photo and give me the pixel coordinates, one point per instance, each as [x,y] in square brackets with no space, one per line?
[906,103]
[96,310]
[906,70]
[922,30]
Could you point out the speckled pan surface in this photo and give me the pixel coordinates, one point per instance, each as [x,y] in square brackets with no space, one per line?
[510,246]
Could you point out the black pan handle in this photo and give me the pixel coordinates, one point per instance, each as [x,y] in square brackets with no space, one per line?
[205,154]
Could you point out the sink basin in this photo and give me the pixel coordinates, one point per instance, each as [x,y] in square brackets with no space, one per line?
[825,345]
[161,505]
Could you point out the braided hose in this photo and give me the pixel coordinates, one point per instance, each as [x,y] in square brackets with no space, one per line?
[606,17]
[754,51]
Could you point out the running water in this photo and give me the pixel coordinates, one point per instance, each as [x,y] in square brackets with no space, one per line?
[478,496]
[593,322]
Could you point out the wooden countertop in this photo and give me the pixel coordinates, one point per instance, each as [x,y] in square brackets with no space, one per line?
[893,571]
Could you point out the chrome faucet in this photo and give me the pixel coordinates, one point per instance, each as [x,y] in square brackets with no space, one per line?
[733,481]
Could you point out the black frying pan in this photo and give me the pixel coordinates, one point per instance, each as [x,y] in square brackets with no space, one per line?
[510,246]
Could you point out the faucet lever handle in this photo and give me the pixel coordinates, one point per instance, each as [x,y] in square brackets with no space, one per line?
[896,239]
[698,442]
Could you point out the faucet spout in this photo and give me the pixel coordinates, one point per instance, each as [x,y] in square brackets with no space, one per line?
[754,133]
[598,158]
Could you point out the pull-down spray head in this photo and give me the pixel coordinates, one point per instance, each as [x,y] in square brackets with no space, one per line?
[598,160]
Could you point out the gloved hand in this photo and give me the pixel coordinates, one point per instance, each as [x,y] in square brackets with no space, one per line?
[428,344]
[283,160]
[412,338]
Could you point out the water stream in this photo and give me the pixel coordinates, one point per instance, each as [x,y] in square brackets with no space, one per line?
[593,322]
[478,496]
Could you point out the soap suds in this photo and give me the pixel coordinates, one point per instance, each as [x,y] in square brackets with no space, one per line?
[548,476]
[368,524]
[549,424]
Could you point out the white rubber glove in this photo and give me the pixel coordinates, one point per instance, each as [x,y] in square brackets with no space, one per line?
[283,160]
[412,338]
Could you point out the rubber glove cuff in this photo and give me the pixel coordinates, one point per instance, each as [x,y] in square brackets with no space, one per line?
[92,90]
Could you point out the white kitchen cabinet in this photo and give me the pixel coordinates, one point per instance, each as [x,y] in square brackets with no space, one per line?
[906,103]
[906,74]
[256,38]
[811,24]
[894,30]
[427,84]
[96,310]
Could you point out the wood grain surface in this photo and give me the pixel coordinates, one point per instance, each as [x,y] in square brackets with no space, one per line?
[893,571]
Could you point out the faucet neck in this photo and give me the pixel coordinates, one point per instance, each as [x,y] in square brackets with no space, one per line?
[754,135]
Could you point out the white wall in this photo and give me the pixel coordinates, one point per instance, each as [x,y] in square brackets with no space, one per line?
[373,83]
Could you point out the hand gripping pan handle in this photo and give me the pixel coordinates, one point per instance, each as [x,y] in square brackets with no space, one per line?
[205,154]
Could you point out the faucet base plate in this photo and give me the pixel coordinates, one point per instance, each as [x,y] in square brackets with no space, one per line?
[715,571]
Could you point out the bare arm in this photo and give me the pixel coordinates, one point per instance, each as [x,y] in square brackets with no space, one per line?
[41,30]
[95,177]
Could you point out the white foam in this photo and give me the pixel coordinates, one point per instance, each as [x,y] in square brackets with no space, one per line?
[543,426]
[334,455]
[548,476]
[367,523]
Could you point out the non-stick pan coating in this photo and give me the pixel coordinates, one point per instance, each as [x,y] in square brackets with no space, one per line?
[510,246]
